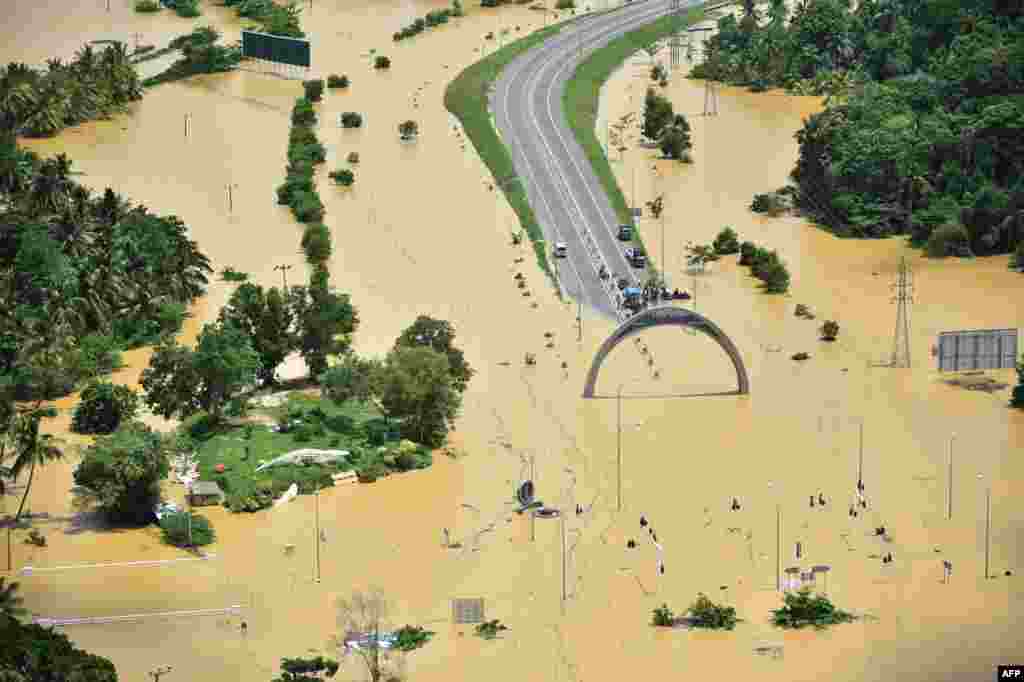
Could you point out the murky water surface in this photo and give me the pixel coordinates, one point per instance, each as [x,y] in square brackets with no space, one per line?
[420,233]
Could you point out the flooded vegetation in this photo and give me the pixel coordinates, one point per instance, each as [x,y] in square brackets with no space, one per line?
[422,232]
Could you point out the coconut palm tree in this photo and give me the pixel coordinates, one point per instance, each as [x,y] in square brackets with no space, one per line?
[32,449]
[52,185]
[10,602]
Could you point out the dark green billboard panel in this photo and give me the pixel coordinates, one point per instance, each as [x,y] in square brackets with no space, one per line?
[292,51]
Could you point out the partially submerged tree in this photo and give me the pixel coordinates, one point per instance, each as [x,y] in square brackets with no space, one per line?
[829,330]
[416,386]
[31,449]
[727,242]
[704,613]
[363,619]
[408,129]
[103,406]
[657,114]
[121,473]
[306,669]
[439,335]
[266,320]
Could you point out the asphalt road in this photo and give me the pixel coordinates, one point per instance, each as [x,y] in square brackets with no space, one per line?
[565,194]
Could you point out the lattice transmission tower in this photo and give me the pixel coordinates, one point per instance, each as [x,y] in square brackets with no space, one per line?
[675,43]
[904,296]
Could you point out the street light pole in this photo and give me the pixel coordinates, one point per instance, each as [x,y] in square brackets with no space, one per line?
[949,481]
[618,402]
[284,277]
[316,539]
[562,517]
[860,460]
[533,512]
[778,546]
[988,525]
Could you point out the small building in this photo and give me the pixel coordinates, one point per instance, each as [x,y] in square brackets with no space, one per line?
[203,493]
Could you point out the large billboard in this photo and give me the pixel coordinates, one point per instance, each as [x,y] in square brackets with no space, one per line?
[294,51]
[977,349]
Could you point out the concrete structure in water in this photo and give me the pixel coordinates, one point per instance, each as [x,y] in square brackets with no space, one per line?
[667,315]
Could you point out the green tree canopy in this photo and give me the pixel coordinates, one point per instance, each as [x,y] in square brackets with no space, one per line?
[416,386]
[266,320]
[41,654]
[121,473]
[439,335]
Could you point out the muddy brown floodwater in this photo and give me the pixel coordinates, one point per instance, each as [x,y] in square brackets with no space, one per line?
[420,233]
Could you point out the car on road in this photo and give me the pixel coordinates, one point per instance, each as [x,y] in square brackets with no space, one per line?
[636,258]
[625,232]
[561,249]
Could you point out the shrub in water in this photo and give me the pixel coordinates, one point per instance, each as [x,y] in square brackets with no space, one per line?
[351,119]
[229,274]
[314,89]
[307,207]
[829,330]
[104,406]
[747,250]
[704,613]
[147,6]
[411,637]
[175,529]
[802,609]
[343,177]
[303,113]
[726,242]
[663,617]
[336,81]
[381,62]
[353,157]
[565,4]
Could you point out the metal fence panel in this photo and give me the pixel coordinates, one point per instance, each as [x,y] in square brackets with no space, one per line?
[977,349]
[466,611]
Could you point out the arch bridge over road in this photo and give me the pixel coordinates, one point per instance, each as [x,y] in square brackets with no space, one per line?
[661,316]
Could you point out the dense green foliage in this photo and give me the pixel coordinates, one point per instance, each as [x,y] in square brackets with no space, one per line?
[767,266]
[433,18]
[103,406]
[10,602]
[439,335]
[304,152]
[180,381]
[188,9]
[266,319]
[279,20]
[40,103]
[351,119]
[325,321]
[147,6]
[84,277]
[21,441]
[704,613]
[121,473]
[802,609]
[200,54]
[381,62]
[177,529]
[924,135]
[32,653]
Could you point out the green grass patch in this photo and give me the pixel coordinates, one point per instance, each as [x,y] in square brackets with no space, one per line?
[466,98]
[583,93]
[304,422]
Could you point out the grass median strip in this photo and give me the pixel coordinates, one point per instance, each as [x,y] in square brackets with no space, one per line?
[466,98]
[583,92]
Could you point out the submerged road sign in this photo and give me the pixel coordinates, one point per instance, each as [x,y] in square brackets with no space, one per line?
[293,51]
[977,349]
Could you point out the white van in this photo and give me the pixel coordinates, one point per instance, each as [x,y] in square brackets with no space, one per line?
[561,249]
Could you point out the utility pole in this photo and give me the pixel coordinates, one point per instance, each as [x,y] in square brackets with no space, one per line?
[949,481]
[533,512]
[618,402]
[778,540]
[316,538]
[562,517]
[187,121]
[860,461]
[231,203]
[284,276]
[988,524]
[579,321]
[10,562]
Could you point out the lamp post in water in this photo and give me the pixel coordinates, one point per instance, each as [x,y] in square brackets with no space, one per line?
[949,481]
[778,541]
[988,522]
